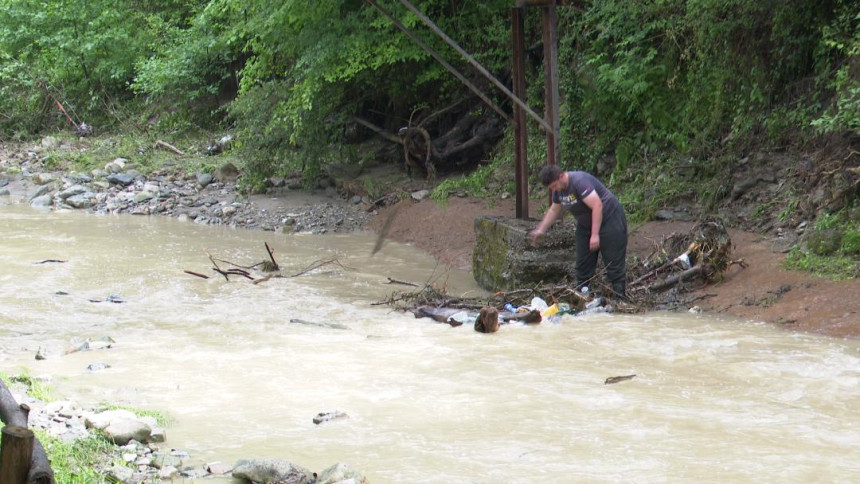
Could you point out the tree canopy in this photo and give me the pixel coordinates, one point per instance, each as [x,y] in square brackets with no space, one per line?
[290,77]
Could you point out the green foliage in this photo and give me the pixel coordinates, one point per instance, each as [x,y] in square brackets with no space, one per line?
[836,56]
[830,267]
[846,223]
[647,76]
[32,386]
[789,209]
[306,73]
[197,59]
[78,54]
[833,247]
[76,462]
[636,78]
[161,418]
[474,184]
[851,243]
[139,149]
[659,184]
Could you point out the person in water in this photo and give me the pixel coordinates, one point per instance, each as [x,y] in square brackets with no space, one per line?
[601,225]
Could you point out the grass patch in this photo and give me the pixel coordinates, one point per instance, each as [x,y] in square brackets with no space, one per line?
[475,184]
[84,155]
[32,386]
[76,462]
[649,188]
[844,263]
[837,268]
[163,420]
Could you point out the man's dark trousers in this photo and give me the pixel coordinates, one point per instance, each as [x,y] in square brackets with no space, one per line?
[613,247]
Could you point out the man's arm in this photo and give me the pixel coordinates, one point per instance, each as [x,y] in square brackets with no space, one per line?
[554,211]
[593,201]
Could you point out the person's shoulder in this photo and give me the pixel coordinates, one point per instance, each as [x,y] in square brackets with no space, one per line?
[580,174]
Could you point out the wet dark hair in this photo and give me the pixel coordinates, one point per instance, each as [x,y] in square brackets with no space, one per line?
[549,174]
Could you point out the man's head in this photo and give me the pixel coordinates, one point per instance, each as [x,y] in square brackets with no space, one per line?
[552,177]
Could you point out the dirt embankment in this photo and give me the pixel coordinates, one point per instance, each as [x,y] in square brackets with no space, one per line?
[769,198]
[763,291]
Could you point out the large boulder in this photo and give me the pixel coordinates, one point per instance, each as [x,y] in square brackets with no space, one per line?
[123,431]
[272,470]
[341,473]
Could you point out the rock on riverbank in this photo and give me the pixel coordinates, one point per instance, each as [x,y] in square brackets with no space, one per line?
[209,199]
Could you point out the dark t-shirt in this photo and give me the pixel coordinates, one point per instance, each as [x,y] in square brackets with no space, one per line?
[580,185]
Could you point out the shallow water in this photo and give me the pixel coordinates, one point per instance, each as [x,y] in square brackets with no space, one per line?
[714,400]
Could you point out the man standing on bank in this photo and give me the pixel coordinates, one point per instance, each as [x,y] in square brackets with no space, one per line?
[601,226]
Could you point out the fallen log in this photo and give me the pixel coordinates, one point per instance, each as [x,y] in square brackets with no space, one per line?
[616,379]
[321,325]
[441,315]
[677,278]
[531,317]
[169,147]
[13,414]
[403,283]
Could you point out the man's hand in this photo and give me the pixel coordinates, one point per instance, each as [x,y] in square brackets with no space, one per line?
[594,242]
[535,237]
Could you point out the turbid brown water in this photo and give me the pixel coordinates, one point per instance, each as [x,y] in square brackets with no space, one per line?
[713,400]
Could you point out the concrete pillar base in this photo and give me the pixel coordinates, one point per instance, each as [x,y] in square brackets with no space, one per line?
[503,259]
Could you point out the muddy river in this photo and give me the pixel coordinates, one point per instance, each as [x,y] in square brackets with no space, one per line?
[714,400]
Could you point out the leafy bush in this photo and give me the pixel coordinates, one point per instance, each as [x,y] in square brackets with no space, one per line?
[851,243]
[824,242]
[80,55]
[836,56]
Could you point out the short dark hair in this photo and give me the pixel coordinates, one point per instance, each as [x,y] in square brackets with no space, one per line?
[549,174]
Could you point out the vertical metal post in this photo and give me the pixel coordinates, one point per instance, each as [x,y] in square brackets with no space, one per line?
[520,129]
[550,61]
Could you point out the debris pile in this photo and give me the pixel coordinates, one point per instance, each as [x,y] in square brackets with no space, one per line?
[678,263]
[682,262]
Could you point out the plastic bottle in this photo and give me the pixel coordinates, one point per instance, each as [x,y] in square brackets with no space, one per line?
[539,304]
[510,307]
[596,302]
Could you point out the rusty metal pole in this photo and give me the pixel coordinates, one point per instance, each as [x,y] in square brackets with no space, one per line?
[520,129]
[550,62]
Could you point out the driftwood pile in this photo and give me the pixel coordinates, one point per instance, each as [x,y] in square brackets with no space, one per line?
[269,266]
[682,262]
[432,301]
[678,263]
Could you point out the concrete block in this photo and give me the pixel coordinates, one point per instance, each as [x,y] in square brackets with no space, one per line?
[503,259]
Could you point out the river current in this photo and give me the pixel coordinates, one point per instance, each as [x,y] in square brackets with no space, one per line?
[714,400]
